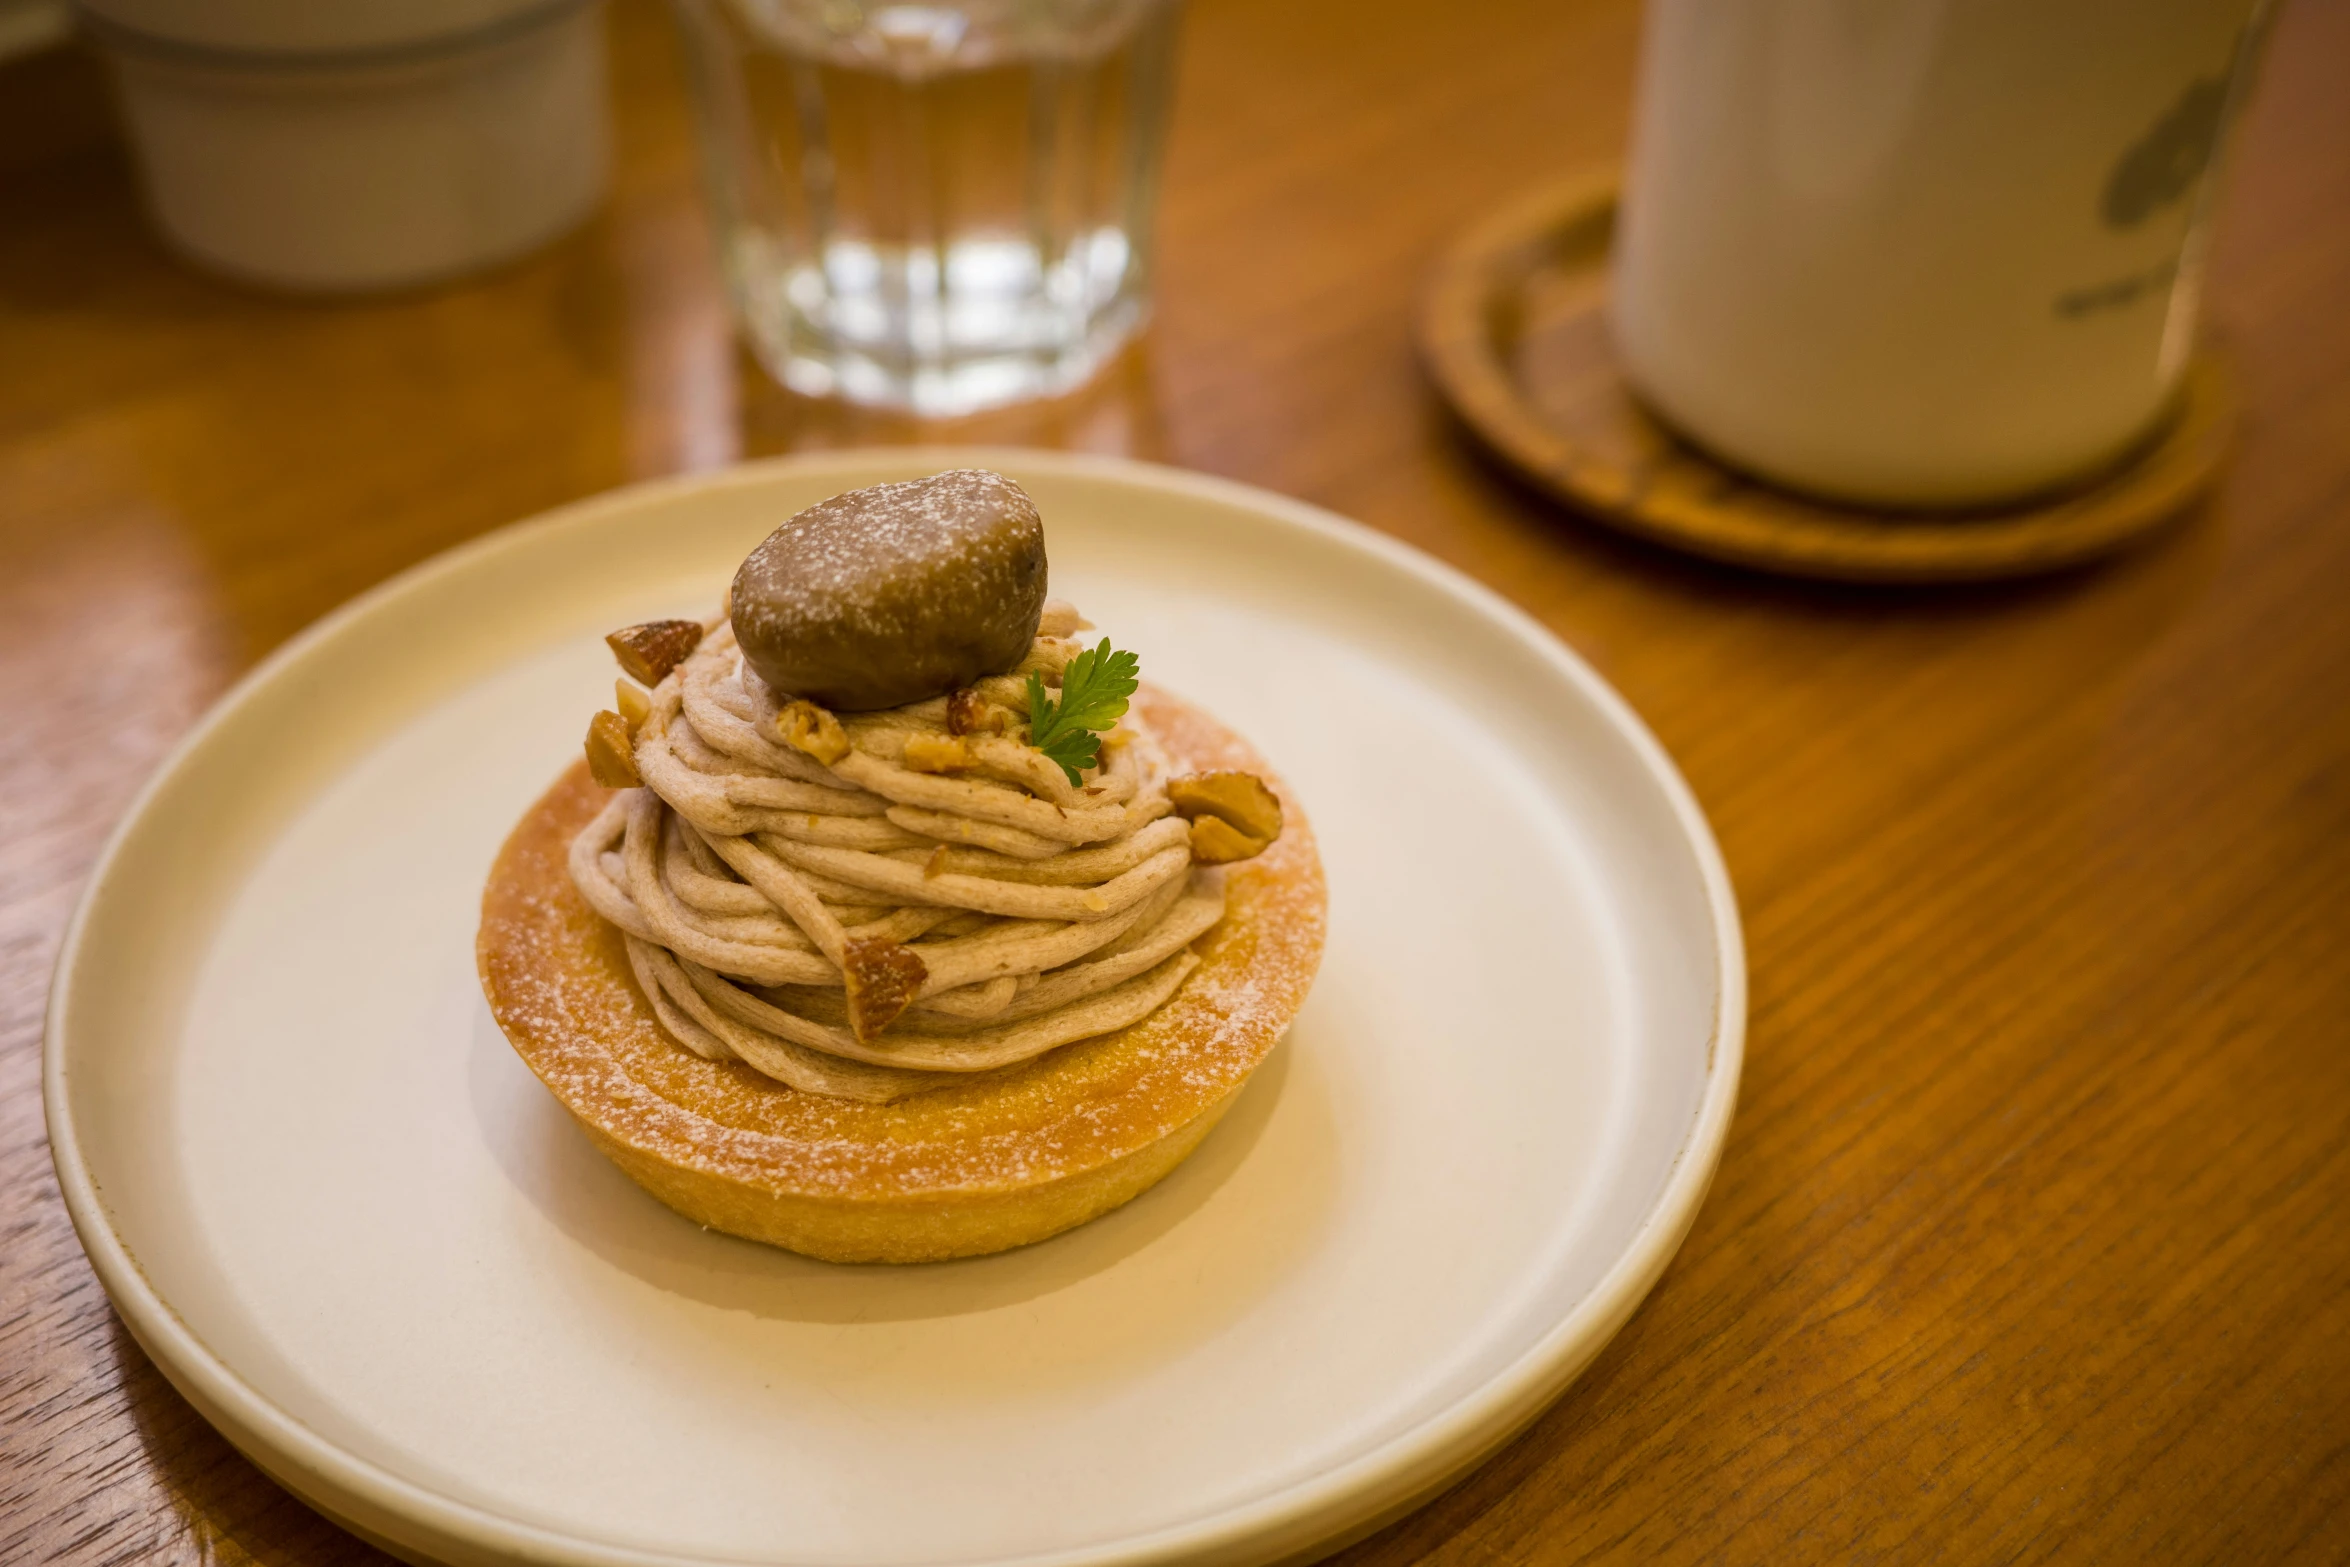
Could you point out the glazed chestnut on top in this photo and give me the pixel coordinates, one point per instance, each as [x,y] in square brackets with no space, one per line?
[894,594]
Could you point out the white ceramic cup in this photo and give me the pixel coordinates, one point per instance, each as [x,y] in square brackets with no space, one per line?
[363,144]
[1918,252]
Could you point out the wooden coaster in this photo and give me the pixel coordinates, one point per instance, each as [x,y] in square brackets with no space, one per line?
[1514,330]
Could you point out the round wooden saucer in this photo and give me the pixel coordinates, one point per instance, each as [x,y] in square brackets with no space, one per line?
[1514,330]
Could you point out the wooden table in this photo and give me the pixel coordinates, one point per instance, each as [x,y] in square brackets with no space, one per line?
[2031,1241]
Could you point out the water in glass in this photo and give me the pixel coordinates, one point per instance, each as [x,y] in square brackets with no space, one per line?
[933,207]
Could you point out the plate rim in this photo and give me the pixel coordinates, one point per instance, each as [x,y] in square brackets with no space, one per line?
[1300,1521]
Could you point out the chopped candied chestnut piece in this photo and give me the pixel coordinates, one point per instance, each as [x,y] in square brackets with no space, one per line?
[635,707]
[611,753]
[1233,816]
[969,713]
[936,753]
[648,652]
[807,728]
[1239,799]
[882,979]
[1217,842]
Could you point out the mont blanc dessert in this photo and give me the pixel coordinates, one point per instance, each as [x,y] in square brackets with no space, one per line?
[890,915]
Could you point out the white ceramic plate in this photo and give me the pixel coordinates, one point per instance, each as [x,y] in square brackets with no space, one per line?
[358,1235]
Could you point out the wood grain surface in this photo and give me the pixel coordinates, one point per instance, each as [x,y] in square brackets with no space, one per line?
[2029,1243]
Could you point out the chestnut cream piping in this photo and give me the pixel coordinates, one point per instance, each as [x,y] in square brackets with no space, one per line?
[867,929]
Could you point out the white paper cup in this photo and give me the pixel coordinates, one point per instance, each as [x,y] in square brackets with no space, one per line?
[361,153]
[1913,254]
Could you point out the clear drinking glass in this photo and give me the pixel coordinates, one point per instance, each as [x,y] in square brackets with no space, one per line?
[939,207]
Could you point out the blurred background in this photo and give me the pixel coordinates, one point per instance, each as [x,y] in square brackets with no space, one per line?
[2107,810]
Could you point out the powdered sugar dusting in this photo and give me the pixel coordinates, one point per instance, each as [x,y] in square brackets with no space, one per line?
[559,985]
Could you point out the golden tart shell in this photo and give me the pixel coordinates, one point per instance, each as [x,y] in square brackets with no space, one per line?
[1004,1159]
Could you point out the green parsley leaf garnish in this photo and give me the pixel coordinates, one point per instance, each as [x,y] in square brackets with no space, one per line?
[1094,689]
